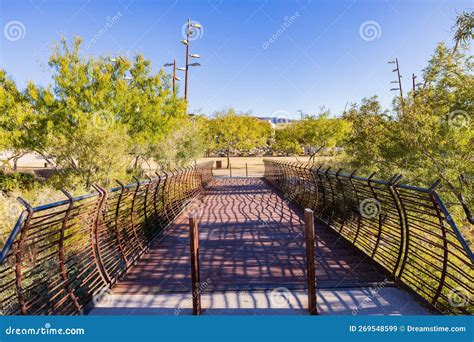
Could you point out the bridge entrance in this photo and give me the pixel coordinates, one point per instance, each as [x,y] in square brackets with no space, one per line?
[252,260]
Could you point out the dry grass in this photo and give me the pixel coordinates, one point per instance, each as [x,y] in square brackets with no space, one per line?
[255,165]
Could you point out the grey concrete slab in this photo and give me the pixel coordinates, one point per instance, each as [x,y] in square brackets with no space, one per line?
[280,301]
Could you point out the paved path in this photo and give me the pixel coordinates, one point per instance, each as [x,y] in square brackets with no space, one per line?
[252,245]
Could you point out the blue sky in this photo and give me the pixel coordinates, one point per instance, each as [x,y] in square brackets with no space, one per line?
[322,56]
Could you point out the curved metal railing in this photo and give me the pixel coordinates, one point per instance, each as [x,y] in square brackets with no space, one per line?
[406,229]
[60,255]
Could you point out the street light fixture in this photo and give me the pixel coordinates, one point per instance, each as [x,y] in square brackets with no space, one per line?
[187,43]
[175,78]
[114,60]
[397,70]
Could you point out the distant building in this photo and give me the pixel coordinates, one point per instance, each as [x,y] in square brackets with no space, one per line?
[275,121]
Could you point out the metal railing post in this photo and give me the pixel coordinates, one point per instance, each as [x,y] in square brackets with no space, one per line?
[61,254]
[246,171]
[19,255]
[310,262]
[194,250]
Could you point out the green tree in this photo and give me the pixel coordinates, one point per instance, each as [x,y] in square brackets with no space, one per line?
[464,29]
[286,140]
[15,115]
[368,139]
[101,117]
[431,138]
[234,131]
[313,132]
[321,131]
[183,144]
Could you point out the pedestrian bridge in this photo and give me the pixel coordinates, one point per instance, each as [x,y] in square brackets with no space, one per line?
[380,248]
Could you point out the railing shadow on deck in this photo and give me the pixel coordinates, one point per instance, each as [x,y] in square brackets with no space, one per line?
[60,255]
[406,229]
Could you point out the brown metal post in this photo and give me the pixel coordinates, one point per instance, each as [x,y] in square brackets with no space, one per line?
[230,170]
[310,265]
[246,170]
[187,62]
[400,84]
[195,276]
[174,76]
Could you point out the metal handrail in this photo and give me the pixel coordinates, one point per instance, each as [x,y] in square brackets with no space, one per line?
[408,230]
[60,255]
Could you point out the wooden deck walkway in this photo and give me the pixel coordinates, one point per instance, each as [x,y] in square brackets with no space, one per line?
[250,238]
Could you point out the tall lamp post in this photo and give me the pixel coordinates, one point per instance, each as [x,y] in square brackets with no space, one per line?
[175,78]
[397,70]
[186,42]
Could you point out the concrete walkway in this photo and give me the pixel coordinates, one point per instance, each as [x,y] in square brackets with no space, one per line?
[280,301]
